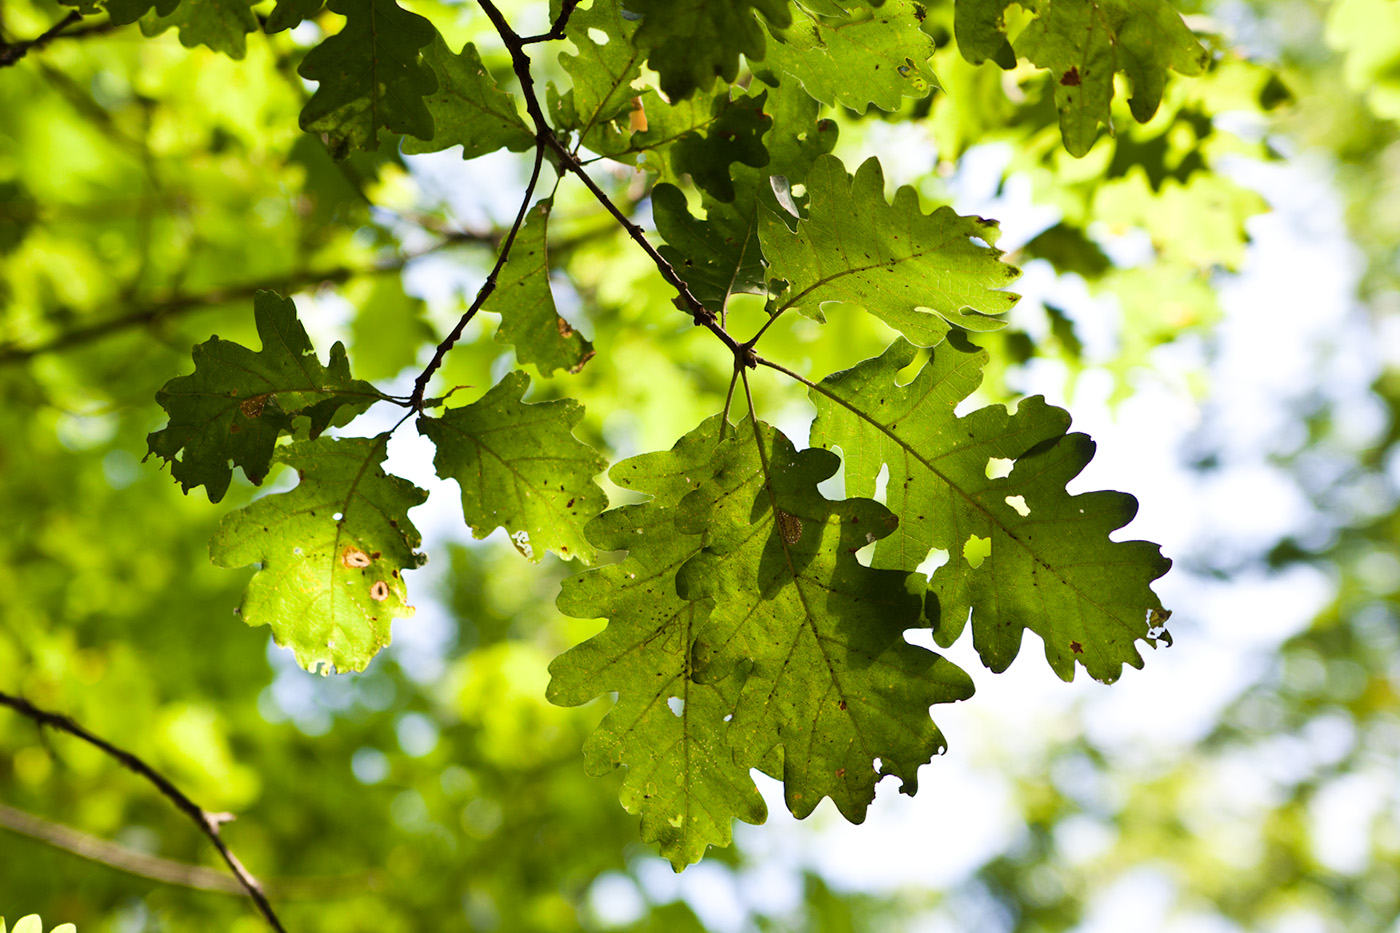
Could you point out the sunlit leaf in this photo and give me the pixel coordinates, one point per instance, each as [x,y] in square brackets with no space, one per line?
[332,553]
[919,273]
[1052,567]
[468,109]
[829,678]
[668,730]
[521,468]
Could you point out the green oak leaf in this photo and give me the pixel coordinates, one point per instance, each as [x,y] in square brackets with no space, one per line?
[126,12]
[1052,568]
[692,42]
[468,109]
[1084,44]
[667,729]
[371,74]
[289,13]
[602,75]
[830,679]
[332,552]
[222,25]
[524,300]
[521,468]
[734,136]
[917,272]
[980,28]
[238,401]
[869,57]
[720,255]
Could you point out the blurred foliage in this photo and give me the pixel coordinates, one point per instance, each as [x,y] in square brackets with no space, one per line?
[147,190]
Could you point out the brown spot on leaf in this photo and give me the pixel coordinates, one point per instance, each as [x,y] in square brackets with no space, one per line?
[379,592]
[1071,77]
[234,428]
[840,772]
[789,526]
[842,704]
[580,364]
[565,330]
[1076,647]
[253,407]
[354,557]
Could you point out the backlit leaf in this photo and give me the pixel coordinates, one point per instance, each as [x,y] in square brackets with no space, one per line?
[1084,44]
[222,25]
[869,57]
[371,74]
[667,729]
[525,302]
[830,680]
[238,401]
[468,109]
[521,468]
[917,272]
[332,553]
[1051,569]
[692,42]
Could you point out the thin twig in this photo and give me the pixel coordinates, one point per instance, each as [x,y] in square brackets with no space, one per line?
[207,822]
[164,870]
[557,30]
[686,300]
[420,384]
[12,52]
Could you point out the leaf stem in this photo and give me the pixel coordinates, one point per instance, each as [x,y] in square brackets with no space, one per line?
[206,821]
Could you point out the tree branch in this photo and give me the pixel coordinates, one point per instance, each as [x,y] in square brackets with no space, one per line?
[420,384]
[12,52]
[557,30]
[164,870]
[153,311]
[207,822]
[686,300]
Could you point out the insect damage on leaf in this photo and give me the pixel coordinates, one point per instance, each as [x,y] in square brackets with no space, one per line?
[328,587]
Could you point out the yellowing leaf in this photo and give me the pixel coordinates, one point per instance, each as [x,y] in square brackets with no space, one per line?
[332,552]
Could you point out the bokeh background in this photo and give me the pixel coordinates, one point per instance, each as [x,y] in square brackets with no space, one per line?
[1214,295]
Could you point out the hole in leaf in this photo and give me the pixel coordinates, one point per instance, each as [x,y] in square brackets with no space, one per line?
[799,191]
[977,550]
[338,516]
[728,716]
[882,483]
[1019,504]
[878,764]
[677,705]
[598,36]
[936,558]
[997,467]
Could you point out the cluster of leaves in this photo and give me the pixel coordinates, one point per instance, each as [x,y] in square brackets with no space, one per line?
[746,628]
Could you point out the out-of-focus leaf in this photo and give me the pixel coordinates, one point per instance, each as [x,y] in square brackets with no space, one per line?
[521,468]
[238,401]
[222,25]
[917,272]
[371,74]
[332,553]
